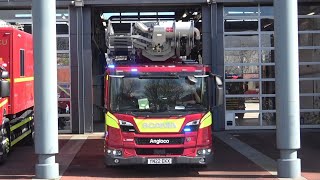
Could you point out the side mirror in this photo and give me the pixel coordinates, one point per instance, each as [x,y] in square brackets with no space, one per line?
[4,88]
[219,90]
[4,74]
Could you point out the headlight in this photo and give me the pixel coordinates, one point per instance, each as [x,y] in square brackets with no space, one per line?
[126,126]
[204,151]
[192,126]
[193,123]
[125,123]
[114,152]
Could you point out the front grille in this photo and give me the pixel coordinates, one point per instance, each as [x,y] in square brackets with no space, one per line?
[158,151]
[153,141]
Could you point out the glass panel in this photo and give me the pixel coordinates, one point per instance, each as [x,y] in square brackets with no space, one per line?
[159,96]
[249,119]
[252,103]
[309,70]
[26,14]
[166,13]
[63,91]
[267,40]
[309,55]
[310,118]
[148,13]
[241,11]
[241,56]
[243,72]
[269,119]
[240,25]
[267,56]
[247,87]
[268,103]
[306,24]
[268,87]
[63,28]
[64,123]
[241,41]
[268,71]
[63,107]
[64,74]
[312,39]
[63,59]
[312,86]
[15,14]
[63,15]
[242,103]
[308,10]
[267,24]
[309,102]
[129,14]
[62,43]
[266,10]
[27,28]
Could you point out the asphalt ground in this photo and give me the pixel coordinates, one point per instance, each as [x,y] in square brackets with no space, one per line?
[237,155]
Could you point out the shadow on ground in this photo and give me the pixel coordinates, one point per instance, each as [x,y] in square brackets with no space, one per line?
[227,164]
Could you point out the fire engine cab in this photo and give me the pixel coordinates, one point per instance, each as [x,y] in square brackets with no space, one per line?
[157,103]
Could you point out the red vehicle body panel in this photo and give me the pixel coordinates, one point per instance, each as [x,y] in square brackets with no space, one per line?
[21,87]
[193,141]
[199,139]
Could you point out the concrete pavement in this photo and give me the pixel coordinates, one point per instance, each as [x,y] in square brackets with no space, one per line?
[238,155]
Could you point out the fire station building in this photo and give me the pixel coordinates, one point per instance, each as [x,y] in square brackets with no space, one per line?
[237,42]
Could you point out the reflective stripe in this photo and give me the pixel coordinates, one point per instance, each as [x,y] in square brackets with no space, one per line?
[111,120]
[107,77]
[206,120]
[159,125]
[3,103]
[23,122]
[20,138]
[24,79]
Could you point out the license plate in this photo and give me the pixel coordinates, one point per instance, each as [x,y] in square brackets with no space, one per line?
[160,161]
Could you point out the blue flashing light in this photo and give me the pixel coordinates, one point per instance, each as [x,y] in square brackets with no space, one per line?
[186,129]
[111,66]
[134,70]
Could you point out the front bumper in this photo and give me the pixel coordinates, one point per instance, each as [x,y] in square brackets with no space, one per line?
[116,161]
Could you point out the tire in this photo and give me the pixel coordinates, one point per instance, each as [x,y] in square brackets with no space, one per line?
[5,148]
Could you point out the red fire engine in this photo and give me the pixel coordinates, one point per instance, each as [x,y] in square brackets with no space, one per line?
[16,88]
[158,106]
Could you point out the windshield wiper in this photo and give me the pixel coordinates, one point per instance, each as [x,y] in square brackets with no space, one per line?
[136,110]
[159,77]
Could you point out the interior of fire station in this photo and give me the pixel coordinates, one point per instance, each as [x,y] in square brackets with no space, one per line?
[88,48]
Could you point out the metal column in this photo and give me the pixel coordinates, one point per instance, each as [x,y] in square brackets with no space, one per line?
[212,16]
[287,87]
[45,87]
[206,35]
[81,69]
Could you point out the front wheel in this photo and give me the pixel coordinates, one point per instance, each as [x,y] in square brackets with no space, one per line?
[5,144]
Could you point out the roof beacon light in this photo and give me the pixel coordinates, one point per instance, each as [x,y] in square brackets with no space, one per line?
[111,66]
[134,70]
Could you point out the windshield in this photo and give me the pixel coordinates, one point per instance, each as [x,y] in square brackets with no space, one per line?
[158,95]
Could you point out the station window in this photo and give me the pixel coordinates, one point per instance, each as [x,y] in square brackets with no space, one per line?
[21,62]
